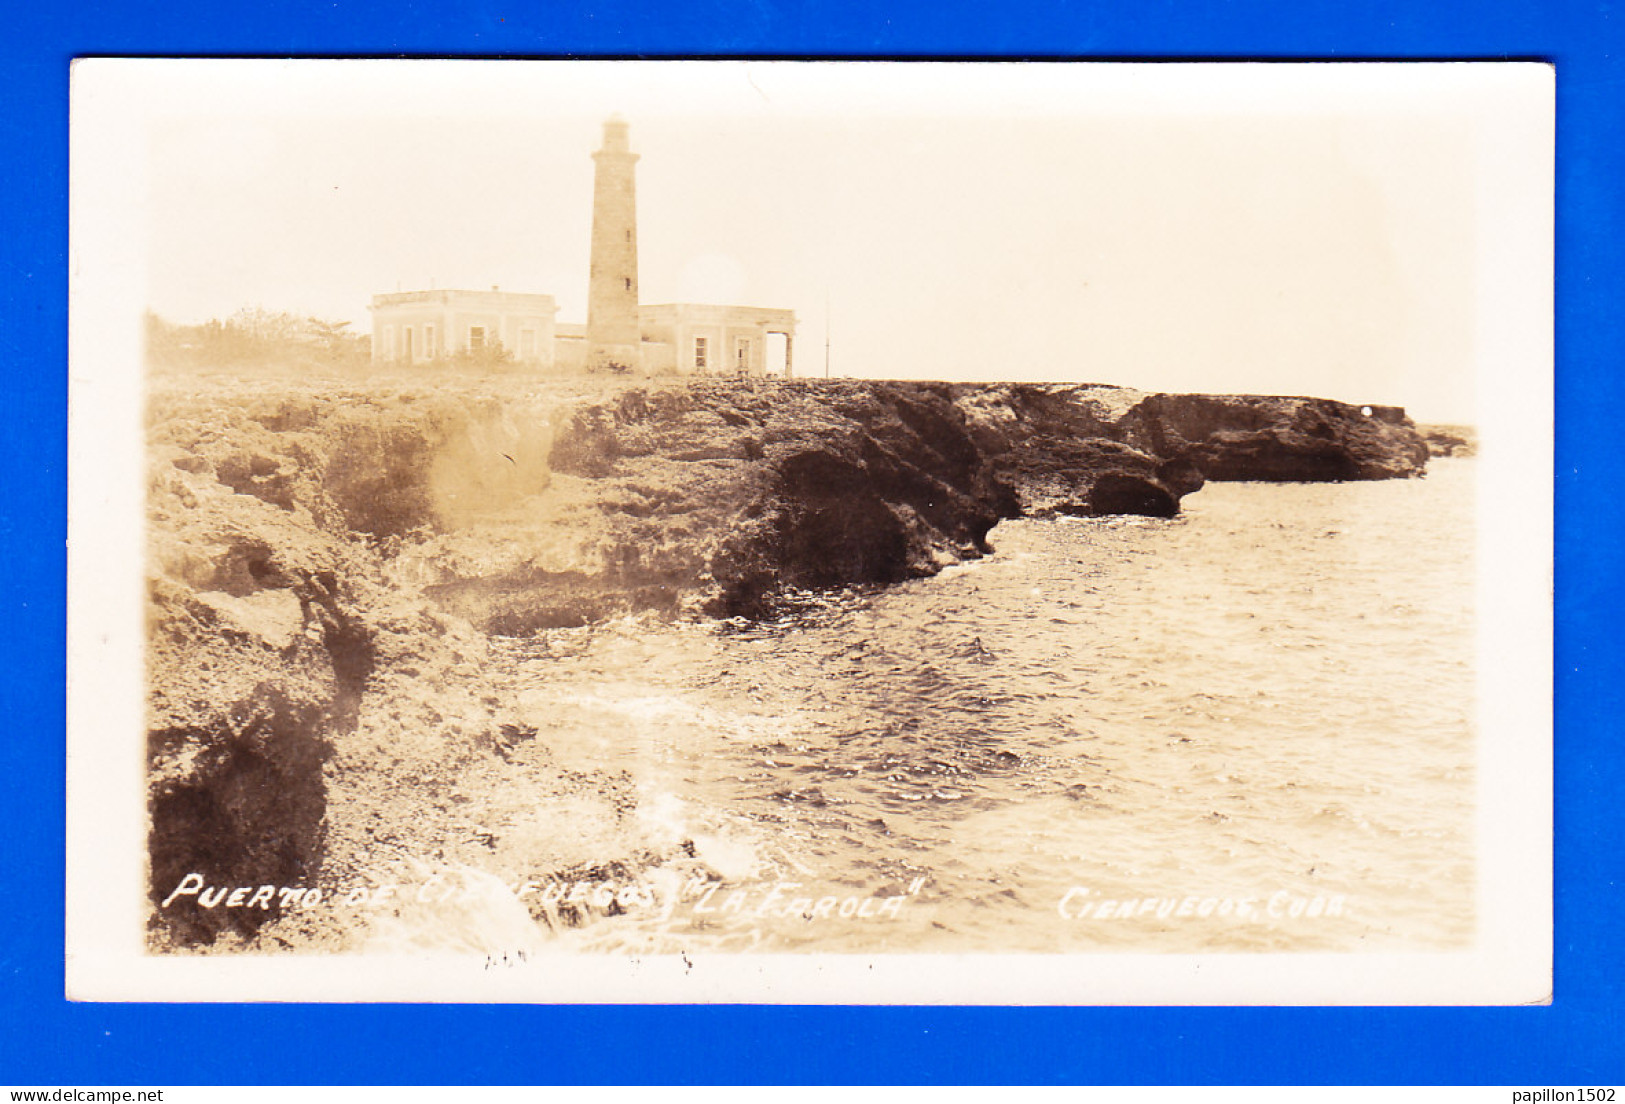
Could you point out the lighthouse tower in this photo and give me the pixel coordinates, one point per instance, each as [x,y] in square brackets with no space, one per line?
[614,341]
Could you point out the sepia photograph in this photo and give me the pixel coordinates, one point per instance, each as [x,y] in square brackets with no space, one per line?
[817,532]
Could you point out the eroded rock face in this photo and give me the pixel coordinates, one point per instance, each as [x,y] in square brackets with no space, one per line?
[255,654]
[269,521]
[1273,439]
[1064,450]
[1450,440]
[766,488]
[887,486]
[1093,449]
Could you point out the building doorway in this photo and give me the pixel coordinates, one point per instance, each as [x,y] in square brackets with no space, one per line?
[777,354]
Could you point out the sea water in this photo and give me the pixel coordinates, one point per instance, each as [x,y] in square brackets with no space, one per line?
[1247,728]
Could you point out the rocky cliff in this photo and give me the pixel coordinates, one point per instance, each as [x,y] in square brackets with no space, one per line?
[1449,440]
[327,566]
[1092,450]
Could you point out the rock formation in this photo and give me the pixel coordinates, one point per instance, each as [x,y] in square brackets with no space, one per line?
[1449,440]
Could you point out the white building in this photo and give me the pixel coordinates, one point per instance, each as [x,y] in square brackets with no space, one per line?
[417,327]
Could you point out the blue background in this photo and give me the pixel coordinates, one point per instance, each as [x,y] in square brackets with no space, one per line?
[1577,1040]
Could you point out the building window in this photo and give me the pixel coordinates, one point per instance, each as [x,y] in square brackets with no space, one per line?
[428,342]
[476,338]
[406,344]
[742,355]
[699,353]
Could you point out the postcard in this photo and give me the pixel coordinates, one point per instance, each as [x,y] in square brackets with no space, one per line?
[810,532]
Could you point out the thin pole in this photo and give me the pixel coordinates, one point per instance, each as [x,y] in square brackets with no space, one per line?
[826,335]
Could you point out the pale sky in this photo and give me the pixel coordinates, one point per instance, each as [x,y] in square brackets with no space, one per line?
[1270,229]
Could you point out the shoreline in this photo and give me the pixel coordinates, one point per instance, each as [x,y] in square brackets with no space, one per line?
[327,572]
